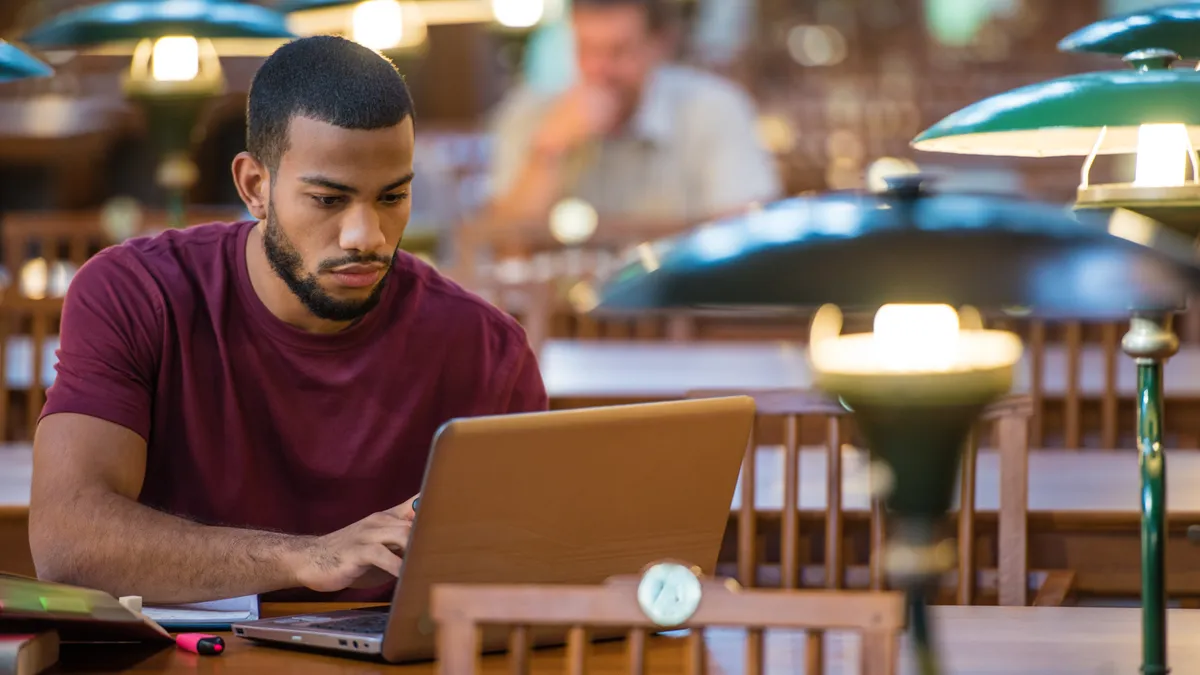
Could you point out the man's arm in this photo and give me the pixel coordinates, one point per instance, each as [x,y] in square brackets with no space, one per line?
[86,527]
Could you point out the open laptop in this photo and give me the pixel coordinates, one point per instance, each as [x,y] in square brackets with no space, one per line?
[572,496]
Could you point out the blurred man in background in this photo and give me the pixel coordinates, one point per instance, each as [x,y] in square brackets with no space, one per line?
[652,146]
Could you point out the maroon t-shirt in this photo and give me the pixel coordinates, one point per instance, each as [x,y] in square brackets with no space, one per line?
[251,422]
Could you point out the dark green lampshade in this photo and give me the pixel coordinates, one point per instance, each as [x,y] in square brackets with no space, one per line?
[861,251]
[131,20]
[1175,27]
[15,64]
[1064,116]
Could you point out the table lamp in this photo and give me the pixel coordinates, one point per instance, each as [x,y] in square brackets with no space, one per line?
[1150,111]
[175,68]
[1172,27]
[918,382]
[16,64]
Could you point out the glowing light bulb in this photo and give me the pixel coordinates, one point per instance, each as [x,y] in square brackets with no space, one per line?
[518,13]
[175,59]
[916,337]
[378,24]
[1162,155]
[573,221]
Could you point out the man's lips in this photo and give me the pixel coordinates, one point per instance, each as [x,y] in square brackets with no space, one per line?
[357,276]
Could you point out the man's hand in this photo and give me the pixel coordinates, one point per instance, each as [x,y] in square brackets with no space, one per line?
[582,113]
[365,554]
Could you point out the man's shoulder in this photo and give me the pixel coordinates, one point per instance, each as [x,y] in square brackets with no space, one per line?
[699,90]
[159,260]
[449,305]
[175,248]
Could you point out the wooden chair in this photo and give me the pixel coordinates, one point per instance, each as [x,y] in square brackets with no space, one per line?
[462,611]
[1010,419]
[28,340]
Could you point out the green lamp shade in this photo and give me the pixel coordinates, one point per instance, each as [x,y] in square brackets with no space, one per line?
[1064,116]
[861,251]
[15,64]
[129,20]
[1175,27]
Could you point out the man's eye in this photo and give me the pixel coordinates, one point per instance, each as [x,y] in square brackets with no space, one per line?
[326,200]
[394,198]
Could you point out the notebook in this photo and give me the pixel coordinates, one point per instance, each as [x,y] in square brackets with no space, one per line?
[28,654]
[216,615]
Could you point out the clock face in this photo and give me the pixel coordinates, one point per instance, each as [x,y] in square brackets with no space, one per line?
[669,594]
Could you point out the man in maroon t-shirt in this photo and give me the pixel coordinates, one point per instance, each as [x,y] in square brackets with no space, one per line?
[248,408]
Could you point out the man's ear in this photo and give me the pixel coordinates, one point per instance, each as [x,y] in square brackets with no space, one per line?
[253,183]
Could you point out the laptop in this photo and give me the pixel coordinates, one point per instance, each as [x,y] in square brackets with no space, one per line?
[561,497]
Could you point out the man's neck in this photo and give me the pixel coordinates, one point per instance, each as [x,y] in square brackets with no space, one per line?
[275,294]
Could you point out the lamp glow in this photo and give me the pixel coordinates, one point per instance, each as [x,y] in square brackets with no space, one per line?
[1162,155]
[924,337]
[518,13]
[175,59]
[910,338]
[378,24]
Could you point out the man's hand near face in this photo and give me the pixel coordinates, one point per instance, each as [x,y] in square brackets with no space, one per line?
[365,554]
[580,114]
[583,113]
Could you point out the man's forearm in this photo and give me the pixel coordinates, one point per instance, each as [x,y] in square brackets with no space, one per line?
[111,543]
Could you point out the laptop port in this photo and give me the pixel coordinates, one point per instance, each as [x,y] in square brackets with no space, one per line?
[239,631]
[356,644]
[341,643]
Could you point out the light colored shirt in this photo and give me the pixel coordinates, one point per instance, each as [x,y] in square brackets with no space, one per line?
[690,152]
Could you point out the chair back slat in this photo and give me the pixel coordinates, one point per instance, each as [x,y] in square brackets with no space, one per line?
[1111,340]
[835,570]
[1073,341]
[790,555]
[1037,381]
[966,522]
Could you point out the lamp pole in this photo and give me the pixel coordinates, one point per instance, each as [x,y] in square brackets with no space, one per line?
[1151,341]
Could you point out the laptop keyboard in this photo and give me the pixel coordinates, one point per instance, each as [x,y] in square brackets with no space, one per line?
[369,624]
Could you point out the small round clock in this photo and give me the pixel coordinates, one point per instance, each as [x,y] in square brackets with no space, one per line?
[669,594]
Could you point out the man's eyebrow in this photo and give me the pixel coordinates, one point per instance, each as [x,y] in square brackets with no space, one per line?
[398,183]
[321,181]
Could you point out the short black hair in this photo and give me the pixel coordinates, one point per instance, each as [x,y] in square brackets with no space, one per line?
[658,12]
[325,78]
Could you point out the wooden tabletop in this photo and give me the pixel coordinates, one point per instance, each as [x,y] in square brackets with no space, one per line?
[639,370]
[1059,480]
[632,370]
[975,640]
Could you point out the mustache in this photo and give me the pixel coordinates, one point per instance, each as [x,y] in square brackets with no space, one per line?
[361,259]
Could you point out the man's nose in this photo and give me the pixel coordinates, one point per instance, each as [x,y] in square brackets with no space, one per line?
[362,230]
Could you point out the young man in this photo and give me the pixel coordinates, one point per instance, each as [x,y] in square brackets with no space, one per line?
[244,408]
[640,140]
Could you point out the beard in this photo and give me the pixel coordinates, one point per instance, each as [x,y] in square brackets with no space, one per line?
[288,264]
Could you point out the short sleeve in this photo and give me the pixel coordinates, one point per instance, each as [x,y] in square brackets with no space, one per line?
[512,127]
[109,344]
[527,393]
[738,169]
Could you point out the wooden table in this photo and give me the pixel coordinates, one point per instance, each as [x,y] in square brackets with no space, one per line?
[1083,513]
[612,370]
[975,640]
[615,370]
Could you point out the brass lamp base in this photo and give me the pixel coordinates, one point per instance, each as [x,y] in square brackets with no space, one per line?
[1175,207]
